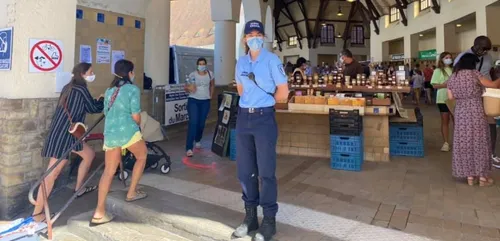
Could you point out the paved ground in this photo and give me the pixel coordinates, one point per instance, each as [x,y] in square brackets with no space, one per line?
[406,199]
[415,195]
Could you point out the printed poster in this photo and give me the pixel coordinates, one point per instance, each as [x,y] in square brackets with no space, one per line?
[103,51]
[116,56]
[85,54]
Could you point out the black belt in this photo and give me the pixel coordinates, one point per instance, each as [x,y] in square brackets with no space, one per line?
[256,110]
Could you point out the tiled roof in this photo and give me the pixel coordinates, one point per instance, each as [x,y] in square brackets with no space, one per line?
[191,23]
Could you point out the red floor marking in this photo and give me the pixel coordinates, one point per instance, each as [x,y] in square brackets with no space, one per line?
[186,162]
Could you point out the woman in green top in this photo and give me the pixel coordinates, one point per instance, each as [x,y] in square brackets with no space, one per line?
[122,107]
[438,81]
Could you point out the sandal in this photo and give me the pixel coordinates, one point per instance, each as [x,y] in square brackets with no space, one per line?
[471,181]
[103,220]
[138,196]
[86,190]
[486,181]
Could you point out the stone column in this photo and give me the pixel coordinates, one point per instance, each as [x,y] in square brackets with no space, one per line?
[268,45]
[225,52]
[157,41]
[411,46]
[28,100]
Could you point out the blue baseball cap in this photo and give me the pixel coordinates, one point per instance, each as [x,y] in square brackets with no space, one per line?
[254,25]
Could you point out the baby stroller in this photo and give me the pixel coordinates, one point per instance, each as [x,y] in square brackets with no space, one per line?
[151,132]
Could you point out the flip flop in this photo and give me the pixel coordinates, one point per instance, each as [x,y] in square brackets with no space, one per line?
[103,220]
[87,190]
[138,196]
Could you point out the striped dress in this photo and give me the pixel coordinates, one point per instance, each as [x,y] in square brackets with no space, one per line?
[59,140]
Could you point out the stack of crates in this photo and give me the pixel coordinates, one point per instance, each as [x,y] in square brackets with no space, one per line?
[346,140]
[407,139]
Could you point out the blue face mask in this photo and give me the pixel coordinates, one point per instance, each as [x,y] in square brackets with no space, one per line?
[202,67]
[255,43]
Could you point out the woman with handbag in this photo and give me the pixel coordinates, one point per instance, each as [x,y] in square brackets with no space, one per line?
[471,139]
[122,107]
[200,87]
[66,127]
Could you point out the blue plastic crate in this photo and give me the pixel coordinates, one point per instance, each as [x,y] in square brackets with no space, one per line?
[398,133]
[232,145]
[412,149]
[346,161]
[346,144]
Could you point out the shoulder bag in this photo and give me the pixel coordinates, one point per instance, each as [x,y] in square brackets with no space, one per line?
[78,129]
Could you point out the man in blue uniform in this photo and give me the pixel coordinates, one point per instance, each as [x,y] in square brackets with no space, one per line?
[261,81]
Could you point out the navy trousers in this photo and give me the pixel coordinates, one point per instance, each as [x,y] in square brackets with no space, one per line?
[256,137]
[198,112]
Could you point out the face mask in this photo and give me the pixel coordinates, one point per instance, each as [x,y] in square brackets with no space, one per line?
[132,79]
[255,43]
[202,68]
[90,78]
[447,61]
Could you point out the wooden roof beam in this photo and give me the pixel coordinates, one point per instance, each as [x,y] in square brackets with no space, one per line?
[295,26]
[308,28]
[323,4]
[352,12]
[366,12]
[436,7]
[399,6]
[373,9]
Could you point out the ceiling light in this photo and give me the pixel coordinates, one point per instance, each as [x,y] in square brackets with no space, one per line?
[340,12]
[459,25]
[351,1]
[323,24]
[421,35]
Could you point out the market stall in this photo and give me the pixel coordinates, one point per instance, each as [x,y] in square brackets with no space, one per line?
[348,121]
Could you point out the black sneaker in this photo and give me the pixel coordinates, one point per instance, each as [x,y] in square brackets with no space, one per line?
[250,223]
[267,229]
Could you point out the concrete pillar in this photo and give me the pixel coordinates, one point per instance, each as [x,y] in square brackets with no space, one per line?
[411,46]
[384,54]
[28,100]
[481,22]
[225,52]
[440,38]
[157,41]
[268,45]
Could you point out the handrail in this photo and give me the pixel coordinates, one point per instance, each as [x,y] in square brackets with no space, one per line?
[46,173]
[40,182]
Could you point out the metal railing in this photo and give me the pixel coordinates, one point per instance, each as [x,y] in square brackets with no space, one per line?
[41,183]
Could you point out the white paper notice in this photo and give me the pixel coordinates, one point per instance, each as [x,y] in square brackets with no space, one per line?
[115,57]
[62,79]
[103,51]
[85,54]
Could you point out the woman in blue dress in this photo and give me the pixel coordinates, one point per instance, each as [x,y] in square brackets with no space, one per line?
[261,82]
[122,107]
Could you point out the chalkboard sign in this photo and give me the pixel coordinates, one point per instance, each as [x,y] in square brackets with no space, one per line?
[226,120]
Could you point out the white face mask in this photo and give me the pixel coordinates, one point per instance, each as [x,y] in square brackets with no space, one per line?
[90,78]
[447,61]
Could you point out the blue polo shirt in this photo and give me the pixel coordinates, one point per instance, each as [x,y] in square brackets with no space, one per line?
[269,73]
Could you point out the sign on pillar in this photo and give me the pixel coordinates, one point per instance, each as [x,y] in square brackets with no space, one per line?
[6,49]
[46,56]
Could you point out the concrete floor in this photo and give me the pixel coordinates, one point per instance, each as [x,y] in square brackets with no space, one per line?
[405,199]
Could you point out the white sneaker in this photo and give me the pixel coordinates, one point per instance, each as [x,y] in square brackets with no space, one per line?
[446,147]
[197,145]
[496,161]
[189,153]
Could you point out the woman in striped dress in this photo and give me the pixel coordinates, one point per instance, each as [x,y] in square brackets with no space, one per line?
[74,103]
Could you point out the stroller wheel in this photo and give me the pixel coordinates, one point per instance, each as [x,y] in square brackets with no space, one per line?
[165,169]
[154,166]
[125,176]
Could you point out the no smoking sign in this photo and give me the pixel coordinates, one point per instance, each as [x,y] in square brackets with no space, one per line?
[45,56]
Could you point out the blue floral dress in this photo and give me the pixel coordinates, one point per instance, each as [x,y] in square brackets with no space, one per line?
[119,127]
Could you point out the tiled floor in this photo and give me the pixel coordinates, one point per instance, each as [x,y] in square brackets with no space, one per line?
[415,195]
